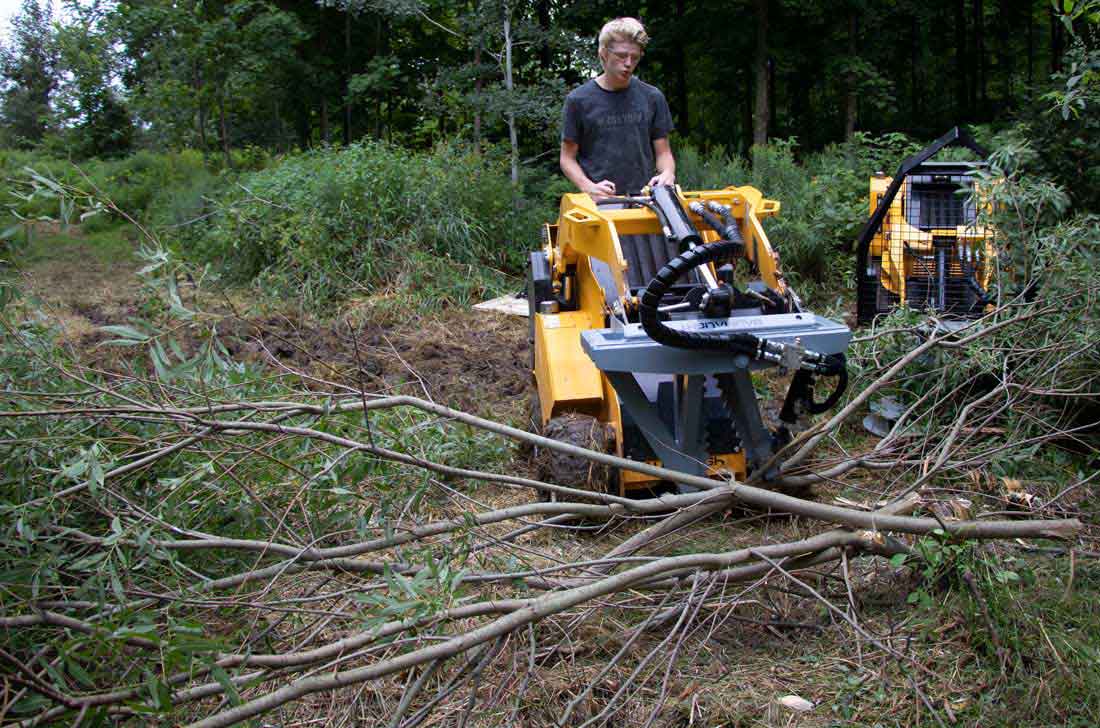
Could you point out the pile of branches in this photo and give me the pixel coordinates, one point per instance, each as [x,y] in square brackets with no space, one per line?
[132,587]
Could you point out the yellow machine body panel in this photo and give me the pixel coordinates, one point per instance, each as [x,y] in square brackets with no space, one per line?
[585,230]
[717,466]
[566,377]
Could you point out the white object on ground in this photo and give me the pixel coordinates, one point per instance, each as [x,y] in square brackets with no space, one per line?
[510,304]
[796,703]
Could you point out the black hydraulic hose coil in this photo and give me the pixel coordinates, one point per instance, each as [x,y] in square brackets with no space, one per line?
[737,343]
[725,232]
[668,275]
[840,370]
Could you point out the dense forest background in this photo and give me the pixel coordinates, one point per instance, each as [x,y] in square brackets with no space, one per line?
[104,78]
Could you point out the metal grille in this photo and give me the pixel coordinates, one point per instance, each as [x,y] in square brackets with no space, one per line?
[926,253]
[921,246]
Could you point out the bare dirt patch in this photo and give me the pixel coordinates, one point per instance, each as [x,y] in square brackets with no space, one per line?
[469,360]
[80,285]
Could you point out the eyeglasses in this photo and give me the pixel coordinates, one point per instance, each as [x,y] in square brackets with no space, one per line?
[627,55]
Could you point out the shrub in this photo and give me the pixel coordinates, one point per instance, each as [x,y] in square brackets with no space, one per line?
[146,185]
[696,170]
[323,222]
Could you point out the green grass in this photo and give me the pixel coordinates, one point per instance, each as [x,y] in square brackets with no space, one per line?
[111,245]
[1045,619]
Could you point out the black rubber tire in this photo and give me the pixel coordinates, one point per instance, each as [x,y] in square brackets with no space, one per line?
[571,470]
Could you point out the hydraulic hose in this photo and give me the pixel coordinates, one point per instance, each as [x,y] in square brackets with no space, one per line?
[724,231]
[841,373]
[801,390]
[714,223]
[832,365]
[640,202]
[680,227]
[665,278]
[731,231]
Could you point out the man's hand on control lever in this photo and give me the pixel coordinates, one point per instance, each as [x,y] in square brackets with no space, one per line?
[600,190]
[663,178]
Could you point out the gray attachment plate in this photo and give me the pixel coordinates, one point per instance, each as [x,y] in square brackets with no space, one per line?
[631,350]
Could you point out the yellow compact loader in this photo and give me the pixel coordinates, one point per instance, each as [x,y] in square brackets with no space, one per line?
[648,315]
[922,246]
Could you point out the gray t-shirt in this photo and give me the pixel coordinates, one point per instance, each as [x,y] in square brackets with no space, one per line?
[615,131]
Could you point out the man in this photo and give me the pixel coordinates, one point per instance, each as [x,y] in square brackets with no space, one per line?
[615,127]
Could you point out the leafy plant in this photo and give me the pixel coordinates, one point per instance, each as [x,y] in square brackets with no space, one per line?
[326,222]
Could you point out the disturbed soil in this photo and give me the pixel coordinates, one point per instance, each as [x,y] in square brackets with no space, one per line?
[471,360]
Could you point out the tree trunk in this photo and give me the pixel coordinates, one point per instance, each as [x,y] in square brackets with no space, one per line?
[771,93]
[679,62]
[201,111]
[747,101]
[962,65]
[546,57]
[761,105]
[1005,20]
[223,126]
[978,21]
[851,98]
[347,76]
[477,97]
[1030,47]
[381,46]
[1055,41]
[513,139]
[280,124]
[303,128]
[914,67]
[324,119]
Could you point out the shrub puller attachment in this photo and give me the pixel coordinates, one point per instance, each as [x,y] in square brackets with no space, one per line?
[922,246]
[648,316]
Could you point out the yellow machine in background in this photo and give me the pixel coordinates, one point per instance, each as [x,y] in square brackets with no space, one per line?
[645,321]
[922,246]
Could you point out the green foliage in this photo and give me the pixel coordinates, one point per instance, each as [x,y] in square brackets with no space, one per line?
[1030,620]
[96,120]
[1064,129]
[1020,204]
[164,188]
[824,197]
[106,543]
[715,169]
[29,74]
[330,221]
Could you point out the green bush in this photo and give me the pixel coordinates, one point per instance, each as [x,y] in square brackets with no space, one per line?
[149,186]
[824,196]
[696,170]
[325,222]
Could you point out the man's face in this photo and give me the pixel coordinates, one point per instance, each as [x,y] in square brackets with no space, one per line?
[620,59]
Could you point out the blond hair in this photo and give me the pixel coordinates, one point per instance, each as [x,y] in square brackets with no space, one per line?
[623,29]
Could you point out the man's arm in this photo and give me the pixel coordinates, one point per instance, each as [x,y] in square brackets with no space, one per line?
[571,168]
[666,163]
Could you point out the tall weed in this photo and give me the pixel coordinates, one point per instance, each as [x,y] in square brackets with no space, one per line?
[146,185]
[332,220]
